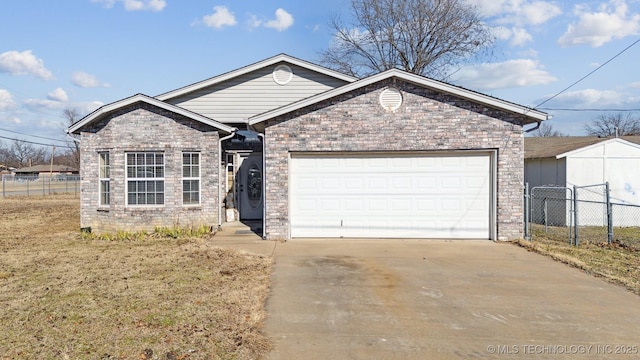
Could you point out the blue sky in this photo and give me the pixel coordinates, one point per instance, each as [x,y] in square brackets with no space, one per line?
[84,53]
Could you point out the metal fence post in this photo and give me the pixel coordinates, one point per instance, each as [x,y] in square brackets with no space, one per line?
[575,211]
[4,194]
[609,214]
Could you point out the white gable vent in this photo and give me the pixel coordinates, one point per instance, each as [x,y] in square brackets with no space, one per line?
[391,99]
[282,74]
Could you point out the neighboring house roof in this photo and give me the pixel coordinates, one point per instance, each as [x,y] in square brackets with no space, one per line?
[533,115]
[107,109]
[46,169]
[253,67]
[558,147]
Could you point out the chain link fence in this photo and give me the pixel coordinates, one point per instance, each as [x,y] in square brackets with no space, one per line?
[550,213]
[582,214]
[34,185]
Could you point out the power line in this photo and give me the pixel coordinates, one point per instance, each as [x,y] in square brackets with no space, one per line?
[610,110]
[41,137]
[36,143]
[589,74]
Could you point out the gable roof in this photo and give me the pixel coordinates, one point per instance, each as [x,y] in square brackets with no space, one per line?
[533,115]
[253,67]
[107,109]
[558,147]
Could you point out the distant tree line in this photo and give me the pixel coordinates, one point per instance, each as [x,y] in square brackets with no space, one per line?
[19,153]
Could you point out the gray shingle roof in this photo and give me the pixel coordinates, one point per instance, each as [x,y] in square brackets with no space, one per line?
[546,147]
[46,168]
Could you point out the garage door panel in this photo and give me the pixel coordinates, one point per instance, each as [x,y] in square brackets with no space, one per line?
[414,196]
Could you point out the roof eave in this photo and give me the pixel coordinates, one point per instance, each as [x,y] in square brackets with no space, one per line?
[253,67]
[569,153]
[106,109]
[534,115]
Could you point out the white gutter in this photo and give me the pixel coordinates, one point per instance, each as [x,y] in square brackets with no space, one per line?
[219,165]
[72,138]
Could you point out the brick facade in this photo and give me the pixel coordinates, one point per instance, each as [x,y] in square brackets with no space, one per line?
[426,121]
[142,127]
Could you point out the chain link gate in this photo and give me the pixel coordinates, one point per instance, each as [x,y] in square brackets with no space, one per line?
[550,210]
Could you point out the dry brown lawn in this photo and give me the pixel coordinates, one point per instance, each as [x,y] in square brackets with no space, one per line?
[617,263]
[63,297]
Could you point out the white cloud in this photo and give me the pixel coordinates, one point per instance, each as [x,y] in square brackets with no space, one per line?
[6,100]
[518,12]
[529,53]
[85,80]
[58,95]
[39,104]
[106,3]
[610,21]
[221,17]
[21,63]
[87,107]
[590,98]
[254,22]
[135,5]
[508,74]
[11,119]
[282,22]
[516,36]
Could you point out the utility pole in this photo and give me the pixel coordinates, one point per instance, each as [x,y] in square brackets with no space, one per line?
[53,149]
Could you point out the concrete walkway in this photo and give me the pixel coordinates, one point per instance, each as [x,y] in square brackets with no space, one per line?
[419,299]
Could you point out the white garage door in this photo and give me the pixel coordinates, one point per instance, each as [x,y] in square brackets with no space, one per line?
[391,196]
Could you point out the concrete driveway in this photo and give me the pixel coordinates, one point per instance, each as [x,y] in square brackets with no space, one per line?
[419,299]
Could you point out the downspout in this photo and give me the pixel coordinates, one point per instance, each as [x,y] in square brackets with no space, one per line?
[538,124]
[219,165]
[534,128]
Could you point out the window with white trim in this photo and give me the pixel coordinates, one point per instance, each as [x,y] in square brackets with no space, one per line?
[190,178]
[105,188]
[145,178]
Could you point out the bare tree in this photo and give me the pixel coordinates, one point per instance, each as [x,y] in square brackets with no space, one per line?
[5,155]
[24,154]
[547,130]
[72,116]
[614,124]
[425,37]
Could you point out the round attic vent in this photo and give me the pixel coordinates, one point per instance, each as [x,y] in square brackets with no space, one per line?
[282,74]
[391,99]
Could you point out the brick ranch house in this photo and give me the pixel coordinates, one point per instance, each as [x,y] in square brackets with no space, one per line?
[308,152]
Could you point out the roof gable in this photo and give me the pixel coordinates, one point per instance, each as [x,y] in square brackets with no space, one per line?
[109,108]
[250,68]
[531,114]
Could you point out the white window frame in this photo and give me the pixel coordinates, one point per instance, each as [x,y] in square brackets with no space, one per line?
[143,172]
[104,178]
[188,175]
